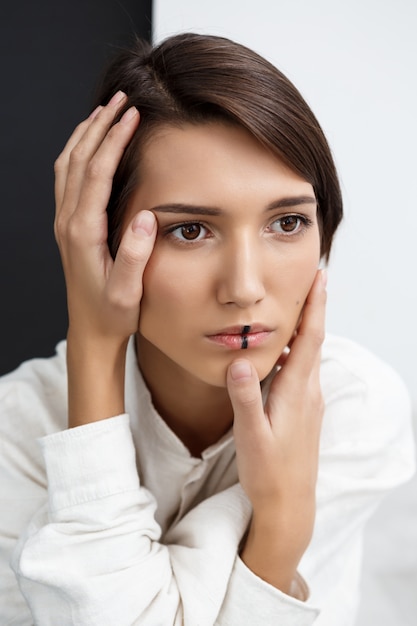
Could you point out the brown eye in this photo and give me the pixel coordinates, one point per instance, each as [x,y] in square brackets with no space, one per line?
[289,223]
[191,231]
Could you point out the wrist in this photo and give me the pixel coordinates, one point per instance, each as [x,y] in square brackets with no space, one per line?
[275,543]
[96,373]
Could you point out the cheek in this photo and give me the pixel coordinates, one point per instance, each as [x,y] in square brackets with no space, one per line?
[158,286]
[293,286]
[295,274]
[171,290]
[305,282]
[158,307]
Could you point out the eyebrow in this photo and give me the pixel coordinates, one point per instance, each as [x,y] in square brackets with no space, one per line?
[290,202]
[192,209]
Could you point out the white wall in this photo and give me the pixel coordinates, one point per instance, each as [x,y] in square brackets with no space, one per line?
[356,64]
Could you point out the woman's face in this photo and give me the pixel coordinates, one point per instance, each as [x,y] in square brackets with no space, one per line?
[238,245]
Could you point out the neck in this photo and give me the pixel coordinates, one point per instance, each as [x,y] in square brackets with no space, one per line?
[198,413]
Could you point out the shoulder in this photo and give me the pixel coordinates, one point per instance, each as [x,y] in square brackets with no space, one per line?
[32,405]
[368,410]
[33,397]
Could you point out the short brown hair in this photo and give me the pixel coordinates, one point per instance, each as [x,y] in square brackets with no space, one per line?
[192,78]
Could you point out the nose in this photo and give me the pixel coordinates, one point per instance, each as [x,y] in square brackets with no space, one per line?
[241,274]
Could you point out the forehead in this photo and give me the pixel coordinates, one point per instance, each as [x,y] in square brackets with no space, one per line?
[216,160]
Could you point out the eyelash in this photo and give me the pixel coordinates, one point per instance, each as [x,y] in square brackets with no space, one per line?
[303,224]
[187,242]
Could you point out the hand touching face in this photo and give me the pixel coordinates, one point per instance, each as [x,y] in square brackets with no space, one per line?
[103,295]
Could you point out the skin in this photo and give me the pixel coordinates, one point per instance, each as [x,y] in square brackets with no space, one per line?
[240,271]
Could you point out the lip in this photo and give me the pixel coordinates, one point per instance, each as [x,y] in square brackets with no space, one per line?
[237,330]
[231,337]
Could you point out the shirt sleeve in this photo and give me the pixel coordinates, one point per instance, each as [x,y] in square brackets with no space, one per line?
[94,554]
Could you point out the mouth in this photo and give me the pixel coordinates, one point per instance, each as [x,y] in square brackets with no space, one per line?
[241,337]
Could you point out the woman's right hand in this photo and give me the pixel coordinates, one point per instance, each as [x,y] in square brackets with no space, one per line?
[103,295]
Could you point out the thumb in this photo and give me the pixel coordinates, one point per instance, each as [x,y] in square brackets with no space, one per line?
[135,249]
[245,394]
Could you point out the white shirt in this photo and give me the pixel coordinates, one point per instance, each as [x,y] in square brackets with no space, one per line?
[120,526]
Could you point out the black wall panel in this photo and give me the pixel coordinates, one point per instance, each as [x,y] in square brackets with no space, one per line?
[51,54]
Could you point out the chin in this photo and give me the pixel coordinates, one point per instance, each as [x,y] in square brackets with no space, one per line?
[263,367]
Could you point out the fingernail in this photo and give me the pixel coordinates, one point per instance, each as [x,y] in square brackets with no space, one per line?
[94,113]
[118,97]
[130,113]
[239,370]
[324,278]
[144,223]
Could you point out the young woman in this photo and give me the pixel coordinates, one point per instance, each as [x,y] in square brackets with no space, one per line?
[203,459]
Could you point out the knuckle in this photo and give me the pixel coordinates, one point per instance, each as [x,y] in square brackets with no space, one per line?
[317,401]
[247,399]
[113,131]
[132,257]
[322,301]
[121,300]
[74,231]
[69,234]
[117,299]
[58,230]
[96,169]
[59,163]
[81,126]
[78,154]
[317,336]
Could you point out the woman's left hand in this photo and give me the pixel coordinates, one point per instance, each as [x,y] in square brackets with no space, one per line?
[277,447]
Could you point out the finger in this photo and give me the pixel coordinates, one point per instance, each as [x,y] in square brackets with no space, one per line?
[81,154]
[125,281]
[305,348]
[316,369]
[78,133]
[246,398]
[98,178]
[71,165]
[282,359]
[62,162]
